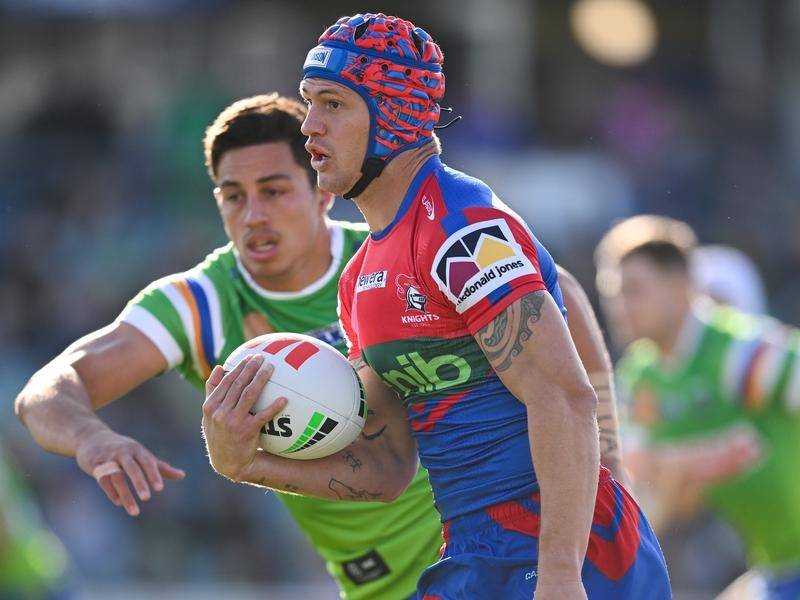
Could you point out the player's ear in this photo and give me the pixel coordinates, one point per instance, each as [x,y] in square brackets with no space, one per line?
[217,193]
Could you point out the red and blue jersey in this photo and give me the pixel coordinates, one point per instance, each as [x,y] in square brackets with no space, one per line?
[411,300]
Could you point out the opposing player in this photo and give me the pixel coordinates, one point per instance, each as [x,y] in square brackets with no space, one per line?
[473,368]
[279,272]
[716,393]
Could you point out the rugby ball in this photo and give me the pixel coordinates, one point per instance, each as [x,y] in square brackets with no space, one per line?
[326,407]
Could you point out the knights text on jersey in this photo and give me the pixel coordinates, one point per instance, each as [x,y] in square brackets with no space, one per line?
[411,300]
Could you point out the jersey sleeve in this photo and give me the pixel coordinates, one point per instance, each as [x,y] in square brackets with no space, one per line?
[344,308]
[488,260]
[181,315]
[762,371]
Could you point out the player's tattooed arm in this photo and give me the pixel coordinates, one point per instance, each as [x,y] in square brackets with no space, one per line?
[502,339]
[375,467]
[530,348]
[352,460]
[607,423]
[347,492]
[369,432]
[373,435]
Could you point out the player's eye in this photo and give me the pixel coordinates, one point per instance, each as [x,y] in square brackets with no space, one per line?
[333,104]
[234,197]
[273,192]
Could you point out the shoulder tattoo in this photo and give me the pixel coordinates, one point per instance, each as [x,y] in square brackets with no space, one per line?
[503,337]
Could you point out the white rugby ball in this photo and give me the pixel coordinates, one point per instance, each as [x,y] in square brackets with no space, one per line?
[326,407]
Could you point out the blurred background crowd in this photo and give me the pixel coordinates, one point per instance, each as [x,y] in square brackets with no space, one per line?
[577,112]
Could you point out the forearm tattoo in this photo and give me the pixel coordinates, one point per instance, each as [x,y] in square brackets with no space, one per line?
[371,436]
[352,461]
[503,337]
[291,488]
[609,445]
[608,438]
[345,492]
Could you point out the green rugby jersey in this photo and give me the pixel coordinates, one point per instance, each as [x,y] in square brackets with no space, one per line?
[197,318]
[732,401]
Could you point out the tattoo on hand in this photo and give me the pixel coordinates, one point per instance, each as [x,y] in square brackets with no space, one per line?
[345,492]
[371,436]
[503,337]
[352,461]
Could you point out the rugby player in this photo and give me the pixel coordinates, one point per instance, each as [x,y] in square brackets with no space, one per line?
[484,386]
[715,393]
[278,273]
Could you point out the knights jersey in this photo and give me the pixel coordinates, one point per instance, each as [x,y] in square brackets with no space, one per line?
[411,300]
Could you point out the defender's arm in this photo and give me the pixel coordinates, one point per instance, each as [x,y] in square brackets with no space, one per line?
[58,405]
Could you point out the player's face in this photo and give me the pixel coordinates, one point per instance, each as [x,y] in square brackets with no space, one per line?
[272,213]
[337,126]
[652,299]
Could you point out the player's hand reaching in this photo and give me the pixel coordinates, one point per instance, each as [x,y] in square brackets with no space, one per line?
[230,428]
[115,460]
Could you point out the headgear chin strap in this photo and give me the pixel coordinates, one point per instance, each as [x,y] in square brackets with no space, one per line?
[397,69]
[371,169]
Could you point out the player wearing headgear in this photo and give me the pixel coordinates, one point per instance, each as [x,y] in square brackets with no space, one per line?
[279,272]
[454,318]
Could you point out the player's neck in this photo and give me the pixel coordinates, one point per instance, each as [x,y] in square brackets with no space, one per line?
[381,200]
[672,343]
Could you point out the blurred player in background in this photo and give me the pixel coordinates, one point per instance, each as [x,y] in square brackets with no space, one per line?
[728,276]
[715,393]
[478,393]
[33,562]
[279,273]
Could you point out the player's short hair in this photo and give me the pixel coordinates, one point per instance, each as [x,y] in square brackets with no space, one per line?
[665,242]
[666,255]
[261,119]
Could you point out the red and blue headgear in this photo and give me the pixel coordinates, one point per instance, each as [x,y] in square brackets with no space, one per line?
[397,70]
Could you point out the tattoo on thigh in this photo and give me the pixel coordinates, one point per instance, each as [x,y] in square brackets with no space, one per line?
[503,337]
[345,492]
